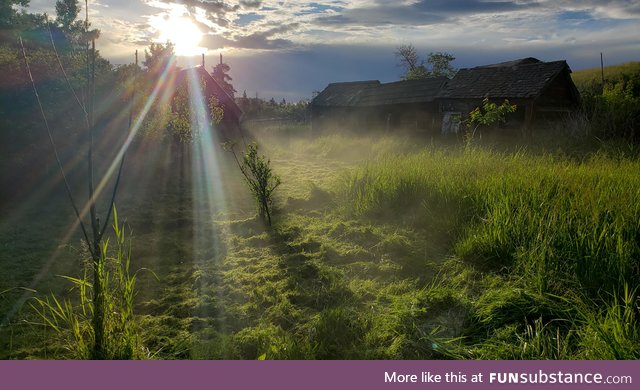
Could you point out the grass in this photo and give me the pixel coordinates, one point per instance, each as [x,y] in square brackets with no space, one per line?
[392,248]
[612,73]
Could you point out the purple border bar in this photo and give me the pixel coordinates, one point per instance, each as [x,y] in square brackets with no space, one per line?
[283,375]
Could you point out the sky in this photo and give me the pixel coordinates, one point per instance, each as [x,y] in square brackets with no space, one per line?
[288,49]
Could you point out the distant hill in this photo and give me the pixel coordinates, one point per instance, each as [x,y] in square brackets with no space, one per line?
[612,73]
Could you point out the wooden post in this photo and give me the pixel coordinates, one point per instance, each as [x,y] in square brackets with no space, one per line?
[602,70]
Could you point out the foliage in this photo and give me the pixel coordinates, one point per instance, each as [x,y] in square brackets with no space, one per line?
[612,109]
[66,13]
[8,14]
[73,322]
[180,118]
[256,108]
[616,111]
[262,182]
[438,64]
[221,75]
[159,57]
[488,114]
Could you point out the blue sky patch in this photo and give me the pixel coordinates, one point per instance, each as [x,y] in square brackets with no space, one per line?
[575,16]
[246,19]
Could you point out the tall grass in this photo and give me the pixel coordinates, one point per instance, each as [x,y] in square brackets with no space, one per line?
[544,226]
[72,319]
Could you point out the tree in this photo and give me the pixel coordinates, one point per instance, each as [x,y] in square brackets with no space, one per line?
[408,57]
[221,75]
[438,64]
[66,13]
[77,32]
[159,57]
[441,64]
[8,14]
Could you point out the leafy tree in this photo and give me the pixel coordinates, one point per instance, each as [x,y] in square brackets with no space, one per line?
[438,64]
[8,14]
[221,75]
[66,13]
[158,57]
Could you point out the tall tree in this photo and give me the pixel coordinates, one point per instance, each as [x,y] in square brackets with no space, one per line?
[221,75]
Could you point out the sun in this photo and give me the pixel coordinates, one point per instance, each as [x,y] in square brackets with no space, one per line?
[182,32]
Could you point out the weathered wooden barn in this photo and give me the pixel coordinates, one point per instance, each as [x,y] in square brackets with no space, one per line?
[371,105]
[337,105]
[542,91]
[229,127]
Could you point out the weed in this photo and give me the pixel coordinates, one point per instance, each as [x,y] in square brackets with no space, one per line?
[74,322]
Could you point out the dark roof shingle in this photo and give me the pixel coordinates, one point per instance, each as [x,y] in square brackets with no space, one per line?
[372,93]
[343,94]
[526,80]
[403,92]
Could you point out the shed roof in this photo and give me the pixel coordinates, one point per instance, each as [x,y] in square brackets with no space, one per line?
[525,79]
[403,92]
[373,93]
[344,94]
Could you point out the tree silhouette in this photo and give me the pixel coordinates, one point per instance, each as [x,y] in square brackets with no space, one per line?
[159,56]
[221,75]
[438,63]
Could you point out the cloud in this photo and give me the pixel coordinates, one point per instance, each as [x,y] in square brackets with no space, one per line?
[420,13]
[260,40]
[250,4]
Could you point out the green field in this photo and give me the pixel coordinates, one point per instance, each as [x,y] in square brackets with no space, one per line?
[612,73]
[383,247]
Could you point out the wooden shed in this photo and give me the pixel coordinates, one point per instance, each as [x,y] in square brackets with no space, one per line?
[406,105]
[337,105]
[542,91]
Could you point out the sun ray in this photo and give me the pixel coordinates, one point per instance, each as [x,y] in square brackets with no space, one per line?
[163,84]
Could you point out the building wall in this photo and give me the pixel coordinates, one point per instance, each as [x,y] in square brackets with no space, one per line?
[413,117]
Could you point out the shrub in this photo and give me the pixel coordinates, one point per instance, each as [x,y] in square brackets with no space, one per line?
[258,175]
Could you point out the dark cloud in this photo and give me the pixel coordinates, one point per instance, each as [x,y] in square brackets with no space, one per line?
[381,15]
[466,7]
[262,40]
[421,13]
[252,4]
